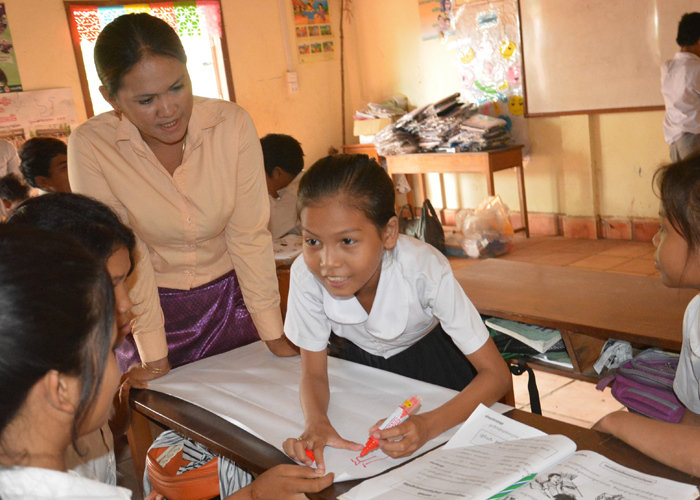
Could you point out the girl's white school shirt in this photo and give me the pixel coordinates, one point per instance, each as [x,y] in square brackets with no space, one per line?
[32,483]
[416,290]
[686,384]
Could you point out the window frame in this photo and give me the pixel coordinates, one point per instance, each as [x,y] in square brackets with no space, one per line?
[75,39]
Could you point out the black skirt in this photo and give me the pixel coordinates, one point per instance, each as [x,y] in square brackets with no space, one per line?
[434,359]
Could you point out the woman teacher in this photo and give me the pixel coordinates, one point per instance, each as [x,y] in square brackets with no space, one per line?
[186,173]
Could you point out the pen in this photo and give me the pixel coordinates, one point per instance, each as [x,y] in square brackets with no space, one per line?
[399,416]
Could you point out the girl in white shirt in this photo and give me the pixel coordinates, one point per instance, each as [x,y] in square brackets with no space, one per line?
[59,371]
[678,261]
[384,300]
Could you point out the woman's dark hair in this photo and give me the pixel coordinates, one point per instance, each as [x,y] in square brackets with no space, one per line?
[128,39]
[92,223]
[56,313]
[13,188]
[678,186]
[359,178]
[688,29]
[36,156]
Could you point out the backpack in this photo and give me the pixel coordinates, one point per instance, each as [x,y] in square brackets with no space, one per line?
[644,385]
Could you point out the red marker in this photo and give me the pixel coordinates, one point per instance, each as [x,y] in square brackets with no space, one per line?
[310,454]
[409,407]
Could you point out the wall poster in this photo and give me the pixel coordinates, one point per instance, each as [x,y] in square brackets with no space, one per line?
[313,34]
[24,115]
[9,73]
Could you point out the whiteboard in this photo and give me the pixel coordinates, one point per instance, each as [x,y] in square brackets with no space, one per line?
[583,56]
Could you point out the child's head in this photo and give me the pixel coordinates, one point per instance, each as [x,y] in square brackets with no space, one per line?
[346,210]
[56,338]
[13,191]
[689,30]
[44,164]
[97,228]
[678,240]
[284,159]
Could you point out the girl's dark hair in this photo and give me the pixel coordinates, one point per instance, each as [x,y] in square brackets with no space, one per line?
[36,155]
[678,186]
[56,313]
[128,39]
[92,223]
[359,178]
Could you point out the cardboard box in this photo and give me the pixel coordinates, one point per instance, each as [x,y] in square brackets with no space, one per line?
[370,127]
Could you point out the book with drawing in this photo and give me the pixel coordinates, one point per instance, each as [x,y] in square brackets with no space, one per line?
[492,456]
[538,337]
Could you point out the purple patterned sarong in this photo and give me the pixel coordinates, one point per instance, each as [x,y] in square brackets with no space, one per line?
[199,323]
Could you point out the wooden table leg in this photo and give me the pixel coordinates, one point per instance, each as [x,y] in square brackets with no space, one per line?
[490,189]
[523,202]
[583,350]
[140,439]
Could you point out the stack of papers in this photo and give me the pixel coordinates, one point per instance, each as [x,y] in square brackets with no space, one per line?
[444,126]
[492,456]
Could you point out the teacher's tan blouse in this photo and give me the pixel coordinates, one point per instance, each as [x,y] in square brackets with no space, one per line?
[192,227]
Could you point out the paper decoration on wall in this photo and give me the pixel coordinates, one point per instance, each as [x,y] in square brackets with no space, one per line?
[314,35]
[436,18]
[24,115]
[9,72]
[487,36]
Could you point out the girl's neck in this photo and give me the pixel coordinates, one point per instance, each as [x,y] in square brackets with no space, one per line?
[32,440]
[366,295]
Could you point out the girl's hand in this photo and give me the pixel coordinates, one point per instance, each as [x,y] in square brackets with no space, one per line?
[121,419]
[315,437]
[404,439]
[285,482]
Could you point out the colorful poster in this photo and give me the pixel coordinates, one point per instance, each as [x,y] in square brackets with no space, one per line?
[490,62]
[312,26]
[9,73]
[24,115]
[436,18]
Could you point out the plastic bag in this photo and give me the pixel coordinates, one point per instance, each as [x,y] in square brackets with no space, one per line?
[488,231]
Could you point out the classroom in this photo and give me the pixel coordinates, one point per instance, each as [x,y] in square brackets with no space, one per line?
[600,255]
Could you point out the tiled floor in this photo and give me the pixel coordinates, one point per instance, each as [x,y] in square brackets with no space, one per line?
[571,401]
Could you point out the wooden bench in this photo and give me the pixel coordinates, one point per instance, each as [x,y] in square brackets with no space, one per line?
[588,307]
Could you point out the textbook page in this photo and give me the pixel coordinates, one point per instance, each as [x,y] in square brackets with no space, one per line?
[473,472]
[589,475]
[259,392]
[483,427]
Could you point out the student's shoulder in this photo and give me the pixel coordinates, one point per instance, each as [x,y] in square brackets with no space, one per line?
[302,276]
[420,260]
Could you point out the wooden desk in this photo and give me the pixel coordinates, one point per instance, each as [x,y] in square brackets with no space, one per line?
[588,307]
[485,162]
[257,456]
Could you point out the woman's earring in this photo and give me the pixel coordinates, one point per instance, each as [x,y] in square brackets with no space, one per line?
[118,113]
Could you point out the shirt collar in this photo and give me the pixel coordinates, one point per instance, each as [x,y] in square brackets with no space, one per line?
[201,119]
[389,315]
[686,55]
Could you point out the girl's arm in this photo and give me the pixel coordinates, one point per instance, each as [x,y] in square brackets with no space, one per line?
[675,445]
[492,382]
[315,395]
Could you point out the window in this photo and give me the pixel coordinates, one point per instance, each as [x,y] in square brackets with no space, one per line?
[198,23]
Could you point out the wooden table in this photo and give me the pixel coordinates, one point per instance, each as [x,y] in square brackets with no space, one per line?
[484,162]
[588,307]
[256,456]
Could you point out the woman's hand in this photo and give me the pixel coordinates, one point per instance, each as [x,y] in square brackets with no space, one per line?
[315,437]
[121,419]
[404,439]
[284,482]
[137,374]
